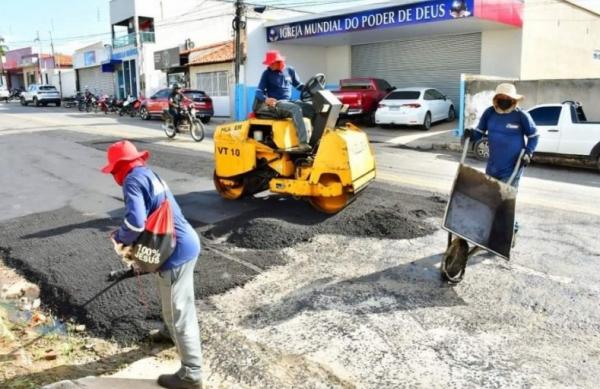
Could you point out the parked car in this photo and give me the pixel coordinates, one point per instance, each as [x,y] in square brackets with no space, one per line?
[158,102]
[40,95]
[564,132]
[4,93]
[362,95]
[415,107]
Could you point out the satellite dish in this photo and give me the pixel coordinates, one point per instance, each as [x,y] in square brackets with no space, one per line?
[189,44]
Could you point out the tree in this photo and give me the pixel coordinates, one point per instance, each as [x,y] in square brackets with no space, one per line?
[3,50]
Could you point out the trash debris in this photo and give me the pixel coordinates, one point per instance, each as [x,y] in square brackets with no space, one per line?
[79,328]
[50,355]
[38,319]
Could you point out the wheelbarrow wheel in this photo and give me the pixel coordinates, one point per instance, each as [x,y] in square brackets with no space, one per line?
[454,261]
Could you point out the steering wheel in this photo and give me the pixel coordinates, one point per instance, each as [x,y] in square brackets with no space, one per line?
[312,86]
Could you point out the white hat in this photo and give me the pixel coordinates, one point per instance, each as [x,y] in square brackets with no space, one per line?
[508,90]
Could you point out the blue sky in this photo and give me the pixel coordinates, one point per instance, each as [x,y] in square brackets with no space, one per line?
[69,19]
[20,19]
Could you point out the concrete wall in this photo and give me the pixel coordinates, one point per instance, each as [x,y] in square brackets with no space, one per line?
[101,55]
[559,40]
[501,53]
[479,92]
[67,78]
[338,64]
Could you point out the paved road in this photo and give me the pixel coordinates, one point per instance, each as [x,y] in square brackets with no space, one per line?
[344,310]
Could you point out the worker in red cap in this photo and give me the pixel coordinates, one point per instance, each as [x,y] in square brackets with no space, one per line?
[275,91]
[143,192]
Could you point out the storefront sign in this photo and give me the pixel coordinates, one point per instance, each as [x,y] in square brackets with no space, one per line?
[166,59]
[124,54]
[424,12]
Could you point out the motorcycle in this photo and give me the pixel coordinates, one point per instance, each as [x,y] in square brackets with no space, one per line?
[15,94]
[107,104]
[88,102]
[71,101]
[187,123]
[130,107]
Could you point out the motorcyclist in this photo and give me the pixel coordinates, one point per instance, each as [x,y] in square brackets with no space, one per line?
[176,98]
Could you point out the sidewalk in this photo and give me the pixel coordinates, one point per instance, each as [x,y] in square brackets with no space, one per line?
[440,137]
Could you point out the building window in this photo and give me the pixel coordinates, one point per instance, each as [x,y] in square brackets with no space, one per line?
[213,83]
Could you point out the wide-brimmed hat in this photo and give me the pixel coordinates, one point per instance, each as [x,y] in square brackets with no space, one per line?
[122,150]
[508,90]
[273,56]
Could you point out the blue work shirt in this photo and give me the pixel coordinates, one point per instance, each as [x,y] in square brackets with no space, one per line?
[506,138]
[277,84]
[143,193]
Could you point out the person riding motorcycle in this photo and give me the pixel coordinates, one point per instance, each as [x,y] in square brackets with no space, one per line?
[176,98]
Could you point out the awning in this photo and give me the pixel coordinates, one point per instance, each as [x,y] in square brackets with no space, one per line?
[109,66]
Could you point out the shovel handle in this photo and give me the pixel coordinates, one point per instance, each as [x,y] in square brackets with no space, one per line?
[465,149]
[517,167]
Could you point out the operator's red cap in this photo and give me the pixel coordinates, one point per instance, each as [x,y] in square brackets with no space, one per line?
[122,150]
[273,56]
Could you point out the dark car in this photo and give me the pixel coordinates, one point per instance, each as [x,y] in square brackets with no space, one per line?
[158,102]
[362,96]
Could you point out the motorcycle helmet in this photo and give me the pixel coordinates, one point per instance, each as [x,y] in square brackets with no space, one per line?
[176,86]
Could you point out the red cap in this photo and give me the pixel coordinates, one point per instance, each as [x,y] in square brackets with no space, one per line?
[273,56]
[122,150]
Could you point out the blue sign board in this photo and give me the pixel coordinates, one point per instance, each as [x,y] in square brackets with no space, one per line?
[395,16]
[124,54]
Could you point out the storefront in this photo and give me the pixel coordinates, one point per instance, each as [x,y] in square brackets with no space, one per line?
[123,63]
[211,70]
[429,43]
[87,62]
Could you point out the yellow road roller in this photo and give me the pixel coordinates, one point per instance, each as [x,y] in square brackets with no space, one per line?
[261,153]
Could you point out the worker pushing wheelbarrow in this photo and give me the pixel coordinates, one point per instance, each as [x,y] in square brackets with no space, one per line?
[481,208]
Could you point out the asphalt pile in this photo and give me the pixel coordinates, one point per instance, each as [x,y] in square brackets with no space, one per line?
[69,256]
[375,213]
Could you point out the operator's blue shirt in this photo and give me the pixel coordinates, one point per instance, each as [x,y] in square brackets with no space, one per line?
[143,193]
[277,84]
[506,138]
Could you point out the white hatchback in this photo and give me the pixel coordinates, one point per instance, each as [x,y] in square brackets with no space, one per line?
[414,107]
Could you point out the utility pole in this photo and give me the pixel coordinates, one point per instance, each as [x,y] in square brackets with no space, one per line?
[54,64]
[238,25]
[39,57]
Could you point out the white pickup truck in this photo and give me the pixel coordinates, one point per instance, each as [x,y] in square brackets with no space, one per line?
[564,132]
[564,129]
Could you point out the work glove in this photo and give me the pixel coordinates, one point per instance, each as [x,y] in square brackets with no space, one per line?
[125,252]
[468,133]
[526,159]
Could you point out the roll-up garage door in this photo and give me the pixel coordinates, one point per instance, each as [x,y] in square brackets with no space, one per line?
[98,82]
[435,62]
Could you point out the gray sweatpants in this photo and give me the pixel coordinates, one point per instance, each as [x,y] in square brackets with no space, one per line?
[284,109]
[176,288]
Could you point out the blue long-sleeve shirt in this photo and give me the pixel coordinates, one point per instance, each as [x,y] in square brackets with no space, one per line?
[506,138]
[143,193]
[277,84]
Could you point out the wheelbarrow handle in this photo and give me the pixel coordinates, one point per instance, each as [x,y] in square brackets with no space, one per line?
[517,167]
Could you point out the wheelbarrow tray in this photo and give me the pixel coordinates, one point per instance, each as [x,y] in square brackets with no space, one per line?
[481,210]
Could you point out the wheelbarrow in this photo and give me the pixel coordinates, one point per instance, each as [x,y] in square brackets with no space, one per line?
[480,211]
